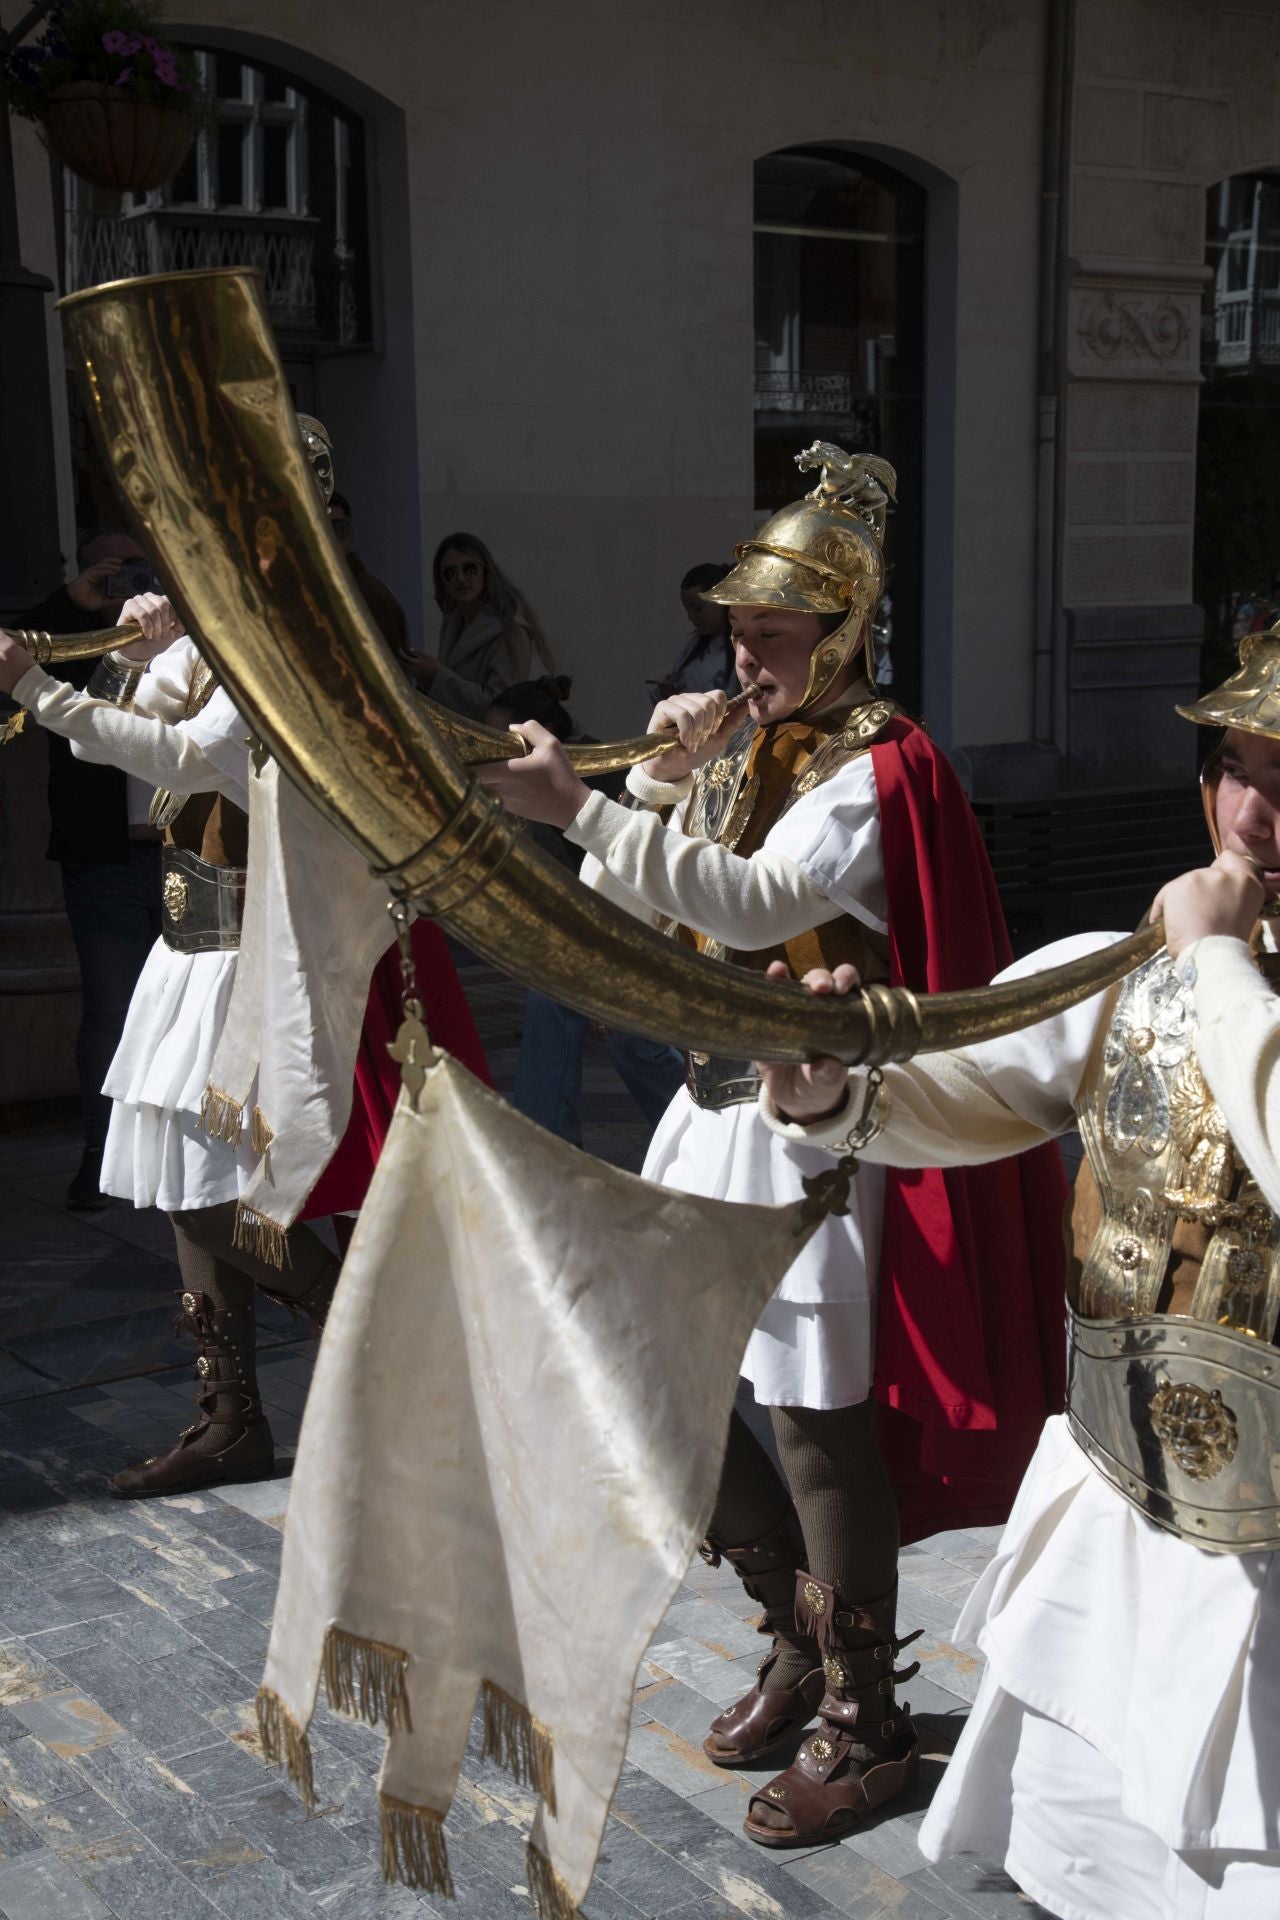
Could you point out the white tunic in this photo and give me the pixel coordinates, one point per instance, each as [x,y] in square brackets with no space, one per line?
[1123,1754]
[812,1346]
[155,1153]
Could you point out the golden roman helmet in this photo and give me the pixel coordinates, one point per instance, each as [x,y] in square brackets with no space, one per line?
[1248,699]
[315,438]
[823,554]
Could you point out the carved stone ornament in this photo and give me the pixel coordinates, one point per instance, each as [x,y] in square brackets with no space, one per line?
[1131,332]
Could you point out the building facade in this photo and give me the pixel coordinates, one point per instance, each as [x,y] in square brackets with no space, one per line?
[580,277]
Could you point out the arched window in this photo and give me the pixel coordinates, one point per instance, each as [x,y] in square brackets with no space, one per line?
[839,322]
[275,181]
[1237,545]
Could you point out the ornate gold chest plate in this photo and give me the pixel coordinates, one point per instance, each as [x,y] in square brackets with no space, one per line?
[1180,1411]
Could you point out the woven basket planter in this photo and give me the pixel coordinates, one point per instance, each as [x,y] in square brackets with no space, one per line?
[122,145]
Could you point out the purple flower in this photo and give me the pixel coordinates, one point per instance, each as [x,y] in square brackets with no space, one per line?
[124,74]
[115,41]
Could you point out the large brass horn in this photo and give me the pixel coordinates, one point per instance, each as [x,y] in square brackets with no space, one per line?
[188,398]
[468,742]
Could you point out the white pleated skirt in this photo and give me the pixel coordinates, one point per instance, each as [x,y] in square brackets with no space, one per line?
[1123,1754]
[812,1345]
[156,1155]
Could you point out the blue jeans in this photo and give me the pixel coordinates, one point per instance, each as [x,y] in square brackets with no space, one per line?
[549,1068]
[115,921]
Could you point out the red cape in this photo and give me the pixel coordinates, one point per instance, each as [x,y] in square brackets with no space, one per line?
[345,1181]
[970,1348]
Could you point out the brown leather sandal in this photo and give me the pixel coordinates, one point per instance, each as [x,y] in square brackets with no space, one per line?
[764,1718]
[865,1751]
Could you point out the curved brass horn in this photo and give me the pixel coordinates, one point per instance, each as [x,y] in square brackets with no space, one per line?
[189,401]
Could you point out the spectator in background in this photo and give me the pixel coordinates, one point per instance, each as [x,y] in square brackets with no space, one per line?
[553,1038]
[388,614]
[101,839]
[488,634]
[705,663]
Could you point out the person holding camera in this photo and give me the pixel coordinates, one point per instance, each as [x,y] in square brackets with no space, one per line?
[109,855]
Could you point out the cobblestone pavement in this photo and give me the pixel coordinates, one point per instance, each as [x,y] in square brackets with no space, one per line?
[132,1637]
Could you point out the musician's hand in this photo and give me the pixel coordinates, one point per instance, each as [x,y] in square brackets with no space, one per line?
[817,1089]
[698,721]
[1225,898]
[160,626]
[541,786]
[14,662]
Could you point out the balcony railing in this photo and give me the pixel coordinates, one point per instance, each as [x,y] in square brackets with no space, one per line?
[806,393]
[304,301]
[1247,327]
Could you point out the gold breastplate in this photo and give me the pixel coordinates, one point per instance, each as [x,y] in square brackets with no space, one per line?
[1175,1287]
[736,800]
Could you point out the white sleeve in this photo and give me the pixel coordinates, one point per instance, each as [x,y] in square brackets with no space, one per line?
[166,682]
[747,903]
[204,755]
[983,1102]
[1238,1044]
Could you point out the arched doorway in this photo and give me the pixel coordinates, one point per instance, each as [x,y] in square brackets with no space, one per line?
[840,350]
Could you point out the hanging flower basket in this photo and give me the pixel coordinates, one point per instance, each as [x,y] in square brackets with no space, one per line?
[120,144]
[116,104]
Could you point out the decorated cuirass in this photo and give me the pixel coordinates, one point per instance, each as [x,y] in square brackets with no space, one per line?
[736,800]
[1174,1290]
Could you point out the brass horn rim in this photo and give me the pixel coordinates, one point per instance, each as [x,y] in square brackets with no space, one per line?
[69,301]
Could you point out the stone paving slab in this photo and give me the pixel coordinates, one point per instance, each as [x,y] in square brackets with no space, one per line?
[132,1639]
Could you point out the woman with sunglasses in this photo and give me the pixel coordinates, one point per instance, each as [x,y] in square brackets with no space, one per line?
[487,636]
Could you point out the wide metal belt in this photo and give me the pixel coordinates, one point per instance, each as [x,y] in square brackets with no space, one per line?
[1184,1420]
[714,1082]
[203,904]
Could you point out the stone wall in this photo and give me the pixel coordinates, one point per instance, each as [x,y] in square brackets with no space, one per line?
[1169,98]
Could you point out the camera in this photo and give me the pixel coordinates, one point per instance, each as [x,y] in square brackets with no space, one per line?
[133,578]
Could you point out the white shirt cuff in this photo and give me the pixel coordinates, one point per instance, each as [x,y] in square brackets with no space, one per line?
[1214,969]
[831,1131]
[33,683]
[658,793]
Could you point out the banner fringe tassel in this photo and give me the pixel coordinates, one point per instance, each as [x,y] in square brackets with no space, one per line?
[519,1743]
[547,1890]
[221,1116]
[285,1744]
[263,1237]
[414,1853]
[368,1681]
[260,1133]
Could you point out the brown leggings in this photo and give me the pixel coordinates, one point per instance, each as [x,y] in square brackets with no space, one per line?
[211,1263]
[842,1494]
